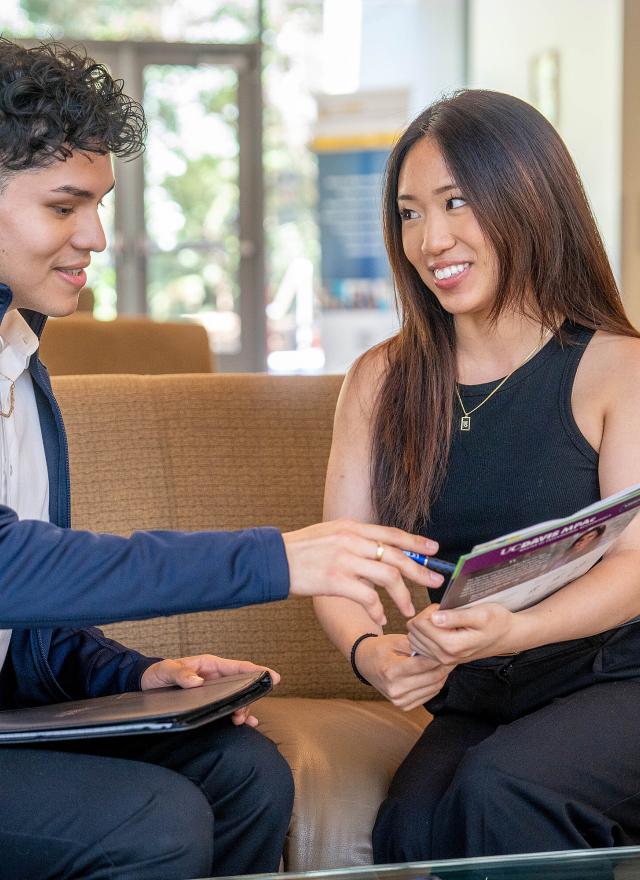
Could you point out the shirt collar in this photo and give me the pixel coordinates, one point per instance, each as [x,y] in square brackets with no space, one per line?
[17,343]
[35,320]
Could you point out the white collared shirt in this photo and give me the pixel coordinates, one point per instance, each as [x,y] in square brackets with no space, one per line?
[24,480]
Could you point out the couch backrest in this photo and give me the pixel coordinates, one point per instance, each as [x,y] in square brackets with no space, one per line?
[79,344]
[210,452]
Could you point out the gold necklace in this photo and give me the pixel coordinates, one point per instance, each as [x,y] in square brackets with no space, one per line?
[7,415]
[465,421]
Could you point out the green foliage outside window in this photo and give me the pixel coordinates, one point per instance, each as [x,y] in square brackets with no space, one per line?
[190,20]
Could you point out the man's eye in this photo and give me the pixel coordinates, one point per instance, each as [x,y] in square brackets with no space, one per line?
[62,210]
[456,202]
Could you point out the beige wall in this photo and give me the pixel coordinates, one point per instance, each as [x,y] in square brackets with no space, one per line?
[631,162]
[506,35]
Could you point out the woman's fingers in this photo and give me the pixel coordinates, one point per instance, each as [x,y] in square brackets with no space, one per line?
[416,690]
[451,647]
[404,680]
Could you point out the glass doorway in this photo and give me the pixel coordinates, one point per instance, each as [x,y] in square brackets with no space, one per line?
[191,198]
[188,236]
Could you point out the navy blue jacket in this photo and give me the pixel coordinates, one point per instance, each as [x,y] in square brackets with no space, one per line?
[55,582]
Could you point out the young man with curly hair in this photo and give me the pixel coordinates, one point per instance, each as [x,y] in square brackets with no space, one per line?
[214,801]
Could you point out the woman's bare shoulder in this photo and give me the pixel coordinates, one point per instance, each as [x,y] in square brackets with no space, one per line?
[364,379]
[614,357]
[609,373]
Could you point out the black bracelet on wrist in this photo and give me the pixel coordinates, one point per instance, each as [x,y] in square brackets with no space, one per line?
[356,671]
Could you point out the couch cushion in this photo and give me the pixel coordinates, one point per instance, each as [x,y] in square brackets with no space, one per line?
[78,344]
[212,452]
[343,755]
[209,452]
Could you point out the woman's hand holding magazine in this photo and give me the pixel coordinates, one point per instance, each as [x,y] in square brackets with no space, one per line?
[481,614]
[462,634]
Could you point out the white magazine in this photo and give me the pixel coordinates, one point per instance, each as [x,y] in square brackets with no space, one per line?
[522,568]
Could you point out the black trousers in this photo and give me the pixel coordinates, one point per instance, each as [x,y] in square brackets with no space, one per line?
[214,801]
[532,753]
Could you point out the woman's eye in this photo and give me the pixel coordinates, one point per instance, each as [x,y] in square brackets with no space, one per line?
[455,202]
[408,214]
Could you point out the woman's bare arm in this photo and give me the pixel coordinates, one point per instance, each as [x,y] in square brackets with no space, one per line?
[386,661]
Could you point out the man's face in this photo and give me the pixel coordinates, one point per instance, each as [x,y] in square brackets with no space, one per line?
[49,225]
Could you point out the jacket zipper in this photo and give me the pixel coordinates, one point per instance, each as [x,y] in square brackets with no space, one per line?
[49,678]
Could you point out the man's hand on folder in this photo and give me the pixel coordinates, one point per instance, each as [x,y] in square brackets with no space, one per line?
[188,672]
[348,559]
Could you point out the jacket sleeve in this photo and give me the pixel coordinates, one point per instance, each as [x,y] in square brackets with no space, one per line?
[45,666]
[52,577]
[86,663]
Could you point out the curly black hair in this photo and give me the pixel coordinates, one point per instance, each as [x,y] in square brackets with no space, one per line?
[54,100]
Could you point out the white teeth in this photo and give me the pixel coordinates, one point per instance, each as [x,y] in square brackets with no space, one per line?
[71,271]
[448,271]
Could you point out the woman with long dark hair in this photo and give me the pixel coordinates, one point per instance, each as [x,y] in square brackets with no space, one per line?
[510,395]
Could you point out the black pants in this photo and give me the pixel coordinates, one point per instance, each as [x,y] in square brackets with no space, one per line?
[532,753]
[216,800]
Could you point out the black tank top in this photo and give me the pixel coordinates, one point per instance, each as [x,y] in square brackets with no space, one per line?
[524,459]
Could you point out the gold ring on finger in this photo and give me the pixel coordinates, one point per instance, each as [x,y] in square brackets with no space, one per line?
[379,552]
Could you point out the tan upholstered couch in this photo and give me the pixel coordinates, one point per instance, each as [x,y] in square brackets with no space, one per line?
[223,451]
[79,344]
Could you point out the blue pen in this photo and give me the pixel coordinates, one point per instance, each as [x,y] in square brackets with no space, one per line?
[439,565]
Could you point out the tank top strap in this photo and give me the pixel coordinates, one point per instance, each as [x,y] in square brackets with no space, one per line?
[579,338]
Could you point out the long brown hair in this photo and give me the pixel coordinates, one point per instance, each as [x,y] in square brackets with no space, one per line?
[518,177]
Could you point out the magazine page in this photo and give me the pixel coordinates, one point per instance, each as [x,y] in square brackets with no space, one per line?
[524,567]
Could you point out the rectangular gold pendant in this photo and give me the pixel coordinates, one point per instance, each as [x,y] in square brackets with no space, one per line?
[465,423]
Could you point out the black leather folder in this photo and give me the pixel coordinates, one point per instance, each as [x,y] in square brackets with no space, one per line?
[159,710]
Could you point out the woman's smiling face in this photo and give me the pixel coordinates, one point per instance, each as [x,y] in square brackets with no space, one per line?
[441,237]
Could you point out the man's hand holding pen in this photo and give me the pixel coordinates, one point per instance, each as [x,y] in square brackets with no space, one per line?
[349,559]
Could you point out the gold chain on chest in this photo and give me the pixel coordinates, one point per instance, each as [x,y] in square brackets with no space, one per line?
[465,421]
[12,398]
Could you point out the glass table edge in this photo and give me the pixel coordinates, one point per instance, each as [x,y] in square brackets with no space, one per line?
[618,854]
